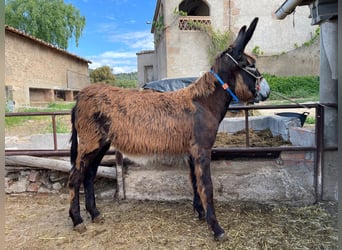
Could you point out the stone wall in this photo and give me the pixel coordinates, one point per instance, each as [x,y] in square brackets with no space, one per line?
[303,61]
[20,180]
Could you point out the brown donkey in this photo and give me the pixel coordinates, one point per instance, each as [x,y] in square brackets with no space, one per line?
[147,123]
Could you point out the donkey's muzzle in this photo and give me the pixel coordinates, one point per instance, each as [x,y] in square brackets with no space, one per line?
[263,90]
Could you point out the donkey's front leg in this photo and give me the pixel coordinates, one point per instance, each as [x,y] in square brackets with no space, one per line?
[205,191]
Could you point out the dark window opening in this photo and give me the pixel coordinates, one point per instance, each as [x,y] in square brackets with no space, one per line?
[197,15]
[194,8]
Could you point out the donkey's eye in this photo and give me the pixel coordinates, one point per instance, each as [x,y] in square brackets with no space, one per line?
[226,58]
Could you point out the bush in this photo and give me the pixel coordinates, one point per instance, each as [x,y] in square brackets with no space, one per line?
[293,86]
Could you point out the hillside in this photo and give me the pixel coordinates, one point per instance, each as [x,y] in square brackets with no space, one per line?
[127,80]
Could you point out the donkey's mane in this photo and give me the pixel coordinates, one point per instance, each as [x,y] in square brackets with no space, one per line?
[202,87]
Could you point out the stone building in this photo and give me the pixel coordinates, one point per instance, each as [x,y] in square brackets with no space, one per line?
[37,72]
[181,49]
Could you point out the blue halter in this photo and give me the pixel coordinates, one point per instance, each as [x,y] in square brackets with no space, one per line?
[225,86]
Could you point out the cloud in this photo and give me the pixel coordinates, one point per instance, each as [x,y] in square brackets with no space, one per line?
[115,54]
[123,61]
[142,40]
[119,62]
[125,69]
[107,27]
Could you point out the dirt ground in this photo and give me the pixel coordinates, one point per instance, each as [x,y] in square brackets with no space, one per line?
[37,221]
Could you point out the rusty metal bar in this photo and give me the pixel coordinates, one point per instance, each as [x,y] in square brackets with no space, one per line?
[44,113]
[216,151]
[318,171]
[45,152]
[54,131]
[247,128]
[283,106]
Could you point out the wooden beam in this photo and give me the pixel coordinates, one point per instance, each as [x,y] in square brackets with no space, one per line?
[53,164]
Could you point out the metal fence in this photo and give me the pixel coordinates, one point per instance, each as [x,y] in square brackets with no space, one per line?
[218,153]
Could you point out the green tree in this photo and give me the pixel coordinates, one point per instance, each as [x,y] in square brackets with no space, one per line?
[102,74]
[52,21]
[126,80]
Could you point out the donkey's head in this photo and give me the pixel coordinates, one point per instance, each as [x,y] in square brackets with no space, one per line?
[236,70]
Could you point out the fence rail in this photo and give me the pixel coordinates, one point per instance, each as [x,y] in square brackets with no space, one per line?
[318,148]
[216,152]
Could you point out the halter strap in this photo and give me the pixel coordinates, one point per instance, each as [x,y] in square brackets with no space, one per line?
[246,69]
[225,86]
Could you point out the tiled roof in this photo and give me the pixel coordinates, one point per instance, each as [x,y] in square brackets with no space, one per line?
[39,41]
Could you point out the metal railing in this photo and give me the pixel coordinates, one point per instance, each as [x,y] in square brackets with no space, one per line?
[220,152]
[216,152]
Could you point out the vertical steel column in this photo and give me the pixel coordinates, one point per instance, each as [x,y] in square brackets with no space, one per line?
[318,171]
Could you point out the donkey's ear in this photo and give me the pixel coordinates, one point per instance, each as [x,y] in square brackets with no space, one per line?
[250,31]
[243,38]
[239,40]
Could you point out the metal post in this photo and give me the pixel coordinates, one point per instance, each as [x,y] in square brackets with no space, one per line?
[318,171]
[247,128]
[54,131]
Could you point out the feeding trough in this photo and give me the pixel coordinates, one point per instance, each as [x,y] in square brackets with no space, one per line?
[300,116]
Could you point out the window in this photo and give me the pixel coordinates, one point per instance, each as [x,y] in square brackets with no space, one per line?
[194,7]
[197,15]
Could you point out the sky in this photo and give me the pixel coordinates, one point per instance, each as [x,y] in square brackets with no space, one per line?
[115,31]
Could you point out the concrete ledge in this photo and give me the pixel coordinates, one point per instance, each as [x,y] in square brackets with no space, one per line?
[302,137]
[266,181]
[286,180]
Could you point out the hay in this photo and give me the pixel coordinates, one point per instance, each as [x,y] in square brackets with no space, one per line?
[166,225]
[263,138]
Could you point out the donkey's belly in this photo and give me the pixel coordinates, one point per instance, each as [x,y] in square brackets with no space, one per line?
[164,159]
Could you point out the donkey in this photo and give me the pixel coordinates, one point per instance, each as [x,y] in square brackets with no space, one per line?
[149,123]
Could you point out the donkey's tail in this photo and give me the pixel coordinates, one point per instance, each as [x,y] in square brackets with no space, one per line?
[73,139]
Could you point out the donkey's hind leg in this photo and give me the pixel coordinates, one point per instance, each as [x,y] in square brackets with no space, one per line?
[88,182]
[75,179]
[84,171]
[197,203]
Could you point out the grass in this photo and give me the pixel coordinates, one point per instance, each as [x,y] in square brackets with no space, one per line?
[310,120]
[17,120]
[60,106]
[294,87]
[22,122]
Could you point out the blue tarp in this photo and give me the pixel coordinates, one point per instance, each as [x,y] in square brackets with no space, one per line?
[168,85]
[174,84]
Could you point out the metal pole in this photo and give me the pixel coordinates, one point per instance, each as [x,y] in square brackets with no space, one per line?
[54,131]
[247,128]
[318,171]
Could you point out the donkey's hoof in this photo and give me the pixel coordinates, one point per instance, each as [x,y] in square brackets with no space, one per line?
[98,219]
[201,217]
[221,237]
[81,228]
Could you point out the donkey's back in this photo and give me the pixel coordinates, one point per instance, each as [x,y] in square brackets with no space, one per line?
[134,122]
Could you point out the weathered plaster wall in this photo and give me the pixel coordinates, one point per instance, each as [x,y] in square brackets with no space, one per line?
[33,65]
[184,53]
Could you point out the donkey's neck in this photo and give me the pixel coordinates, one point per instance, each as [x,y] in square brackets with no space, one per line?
[216,100]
